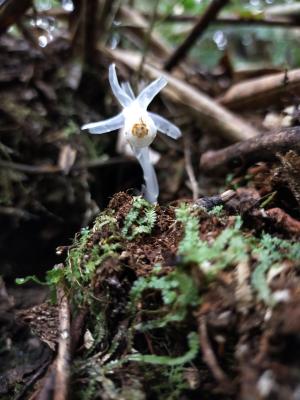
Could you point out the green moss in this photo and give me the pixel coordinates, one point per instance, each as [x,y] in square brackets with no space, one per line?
[229,248]
[233,246]
[140,219]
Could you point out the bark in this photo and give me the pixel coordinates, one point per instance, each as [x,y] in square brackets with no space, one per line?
[261,148]
[261,92]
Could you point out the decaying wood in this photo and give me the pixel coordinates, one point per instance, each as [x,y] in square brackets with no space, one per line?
[209,202]
[261,148]
[208,112]
[209,15]
[11,11]
[261,92]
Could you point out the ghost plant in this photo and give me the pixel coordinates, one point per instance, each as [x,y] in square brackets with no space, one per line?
[138,125]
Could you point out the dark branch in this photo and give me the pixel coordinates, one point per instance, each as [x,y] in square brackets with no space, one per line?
[262,148]
[203,22]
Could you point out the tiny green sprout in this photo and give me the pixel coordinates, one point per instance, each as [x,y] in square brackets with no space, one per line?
[138,125]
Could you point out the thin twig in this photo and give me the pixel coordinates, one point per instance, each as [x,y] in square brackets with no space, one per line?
[108,8]
[209,355]
[51,169]
[189,167]
[147,40]
[209,15]
[16,212]
[261,148]
[38,374]
[62,375]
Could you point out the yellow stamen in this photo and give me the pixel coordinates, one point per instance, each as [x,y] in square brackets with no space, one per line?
[140,130]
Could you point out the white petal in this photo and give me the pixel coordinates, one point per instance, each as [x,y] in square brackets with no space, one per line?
[128,89]
[148,94]
[119,93]
[165,126]
[107,125]
[151,189]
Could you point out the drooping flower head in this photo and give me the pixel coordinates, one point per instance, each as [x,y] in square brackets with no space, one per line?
[138,125]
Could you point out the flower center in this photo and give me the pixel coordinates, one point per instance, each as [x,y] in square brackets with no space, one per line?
[140,130]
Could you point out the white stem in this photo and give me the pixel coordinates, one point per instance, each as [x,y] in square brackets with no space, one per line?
[150,189]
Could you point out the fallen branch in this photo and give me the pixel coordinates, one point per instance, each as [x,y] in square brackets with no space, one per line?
[208,112]
[262,148]
[210,14]
[261,92]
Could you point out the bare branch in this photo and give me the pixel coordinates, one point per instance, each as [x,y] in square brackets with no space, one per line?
[210,14]
[209,355]
[260,92]
[262,148]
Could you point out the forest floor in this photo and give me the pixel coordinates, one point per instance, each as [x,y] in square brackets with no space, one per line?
[180,300]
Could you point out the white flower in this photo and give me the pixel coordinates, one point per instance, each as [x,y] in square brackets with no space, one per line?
[138,125]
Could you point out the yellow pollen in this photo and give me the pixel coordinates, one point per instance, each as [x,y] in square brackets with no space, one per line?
[140,130]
